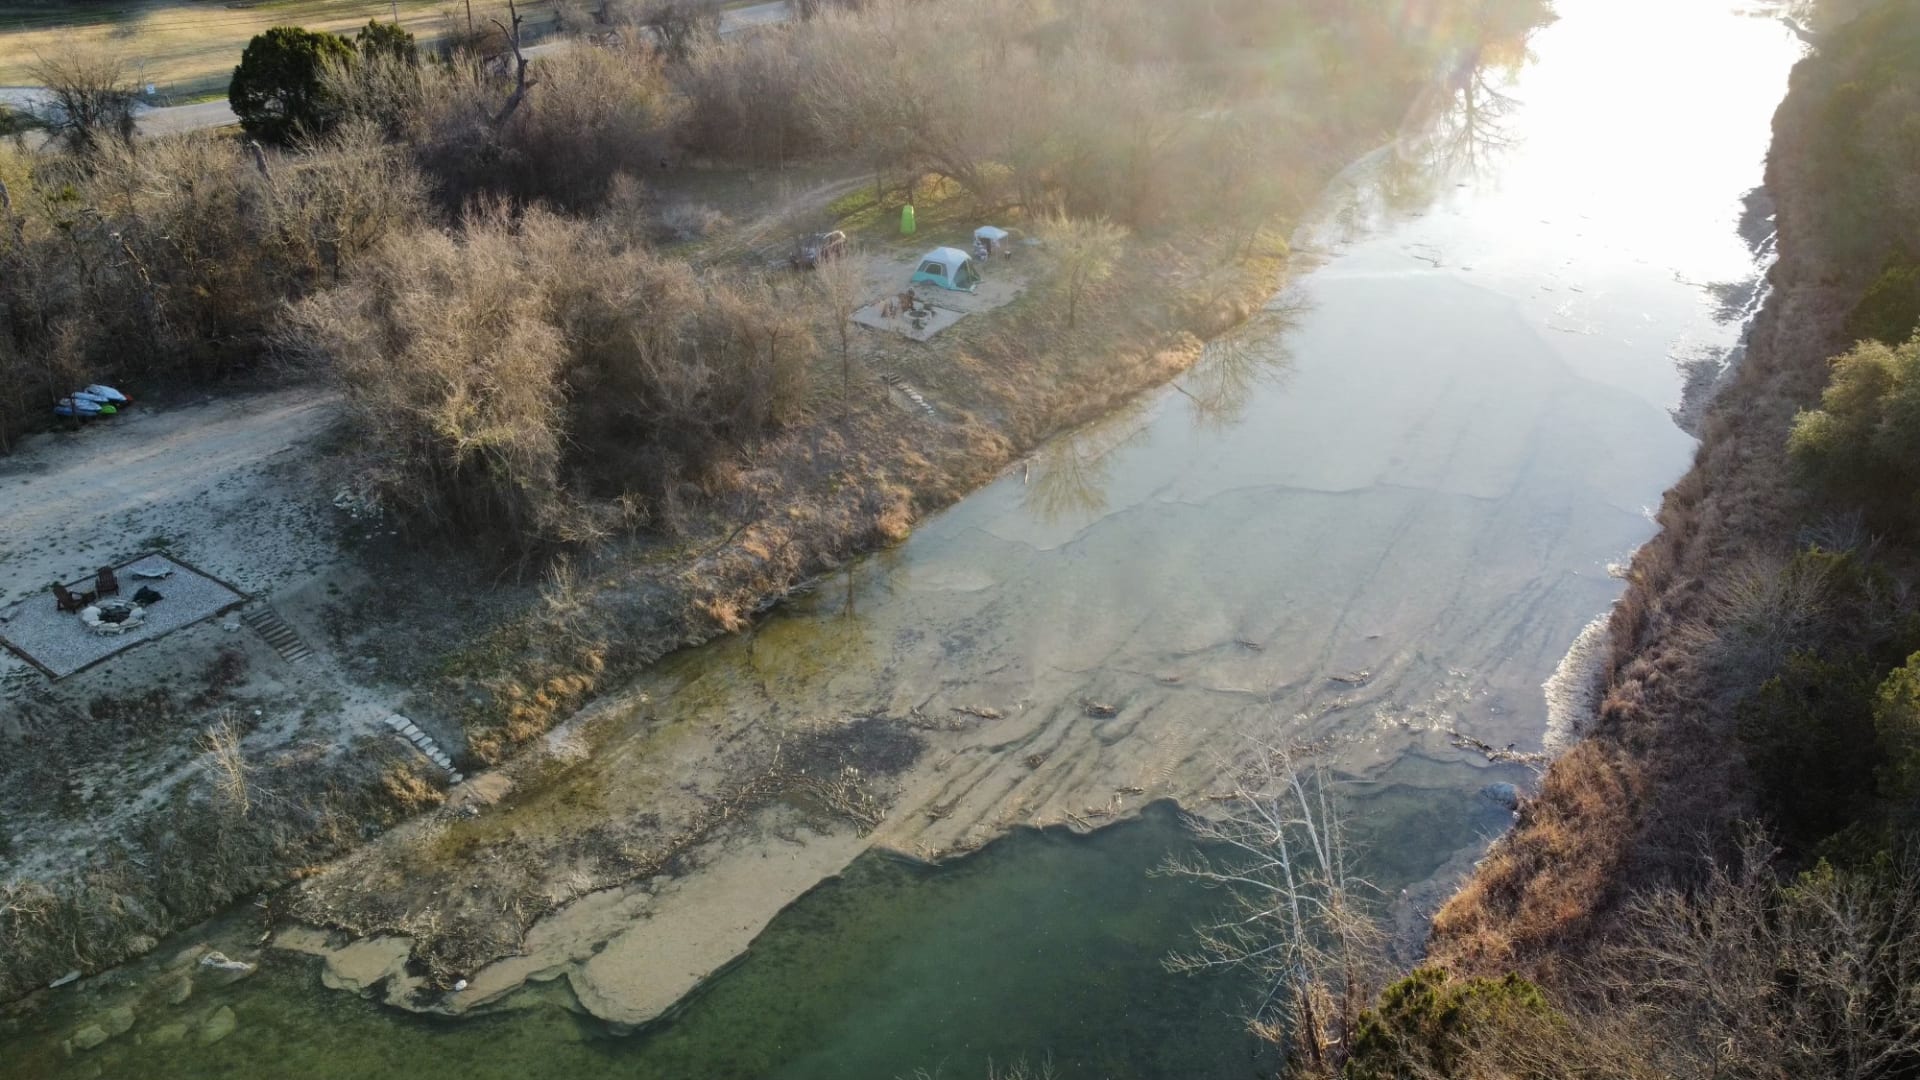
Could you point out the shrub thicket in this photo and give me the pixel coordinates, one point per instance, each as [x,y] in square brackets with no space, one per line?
[1126,110]
[1744,975]
[172,259]
[1863,443]
[1868,154]
[1889,311]
[1429,1025]
[506,373]
[591,115]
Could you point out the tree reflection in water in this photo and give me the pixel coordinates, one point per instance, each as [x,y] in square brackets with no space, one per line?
[1453,134]
[1234,366]
[1068,477]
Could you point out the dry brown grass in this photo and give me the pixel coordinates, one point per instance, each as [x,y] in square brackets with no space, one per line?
[410,792]
[227,765]
[1542,883]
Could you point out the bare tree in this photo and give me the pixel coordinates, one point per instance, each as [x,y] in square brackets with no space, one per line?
[1298,920]
[1085,250]
[1748,977]
[839,284]
[680,26]
[91,96]
[521,83]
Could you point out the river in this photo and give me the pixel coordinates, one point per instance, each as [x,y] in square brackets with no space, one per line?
[1378,521]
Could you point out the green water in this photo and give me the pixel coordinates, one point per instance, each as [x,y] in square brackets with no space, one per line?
[1044,944]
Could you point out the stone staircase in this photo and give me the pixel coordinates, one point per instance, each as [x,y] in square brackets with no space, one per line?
[912,394]
[424,743]
[274,631]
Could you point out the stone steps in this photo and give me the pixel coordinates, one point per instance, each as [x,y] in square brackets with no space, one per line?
[424,743]
[275,632]
[912,394]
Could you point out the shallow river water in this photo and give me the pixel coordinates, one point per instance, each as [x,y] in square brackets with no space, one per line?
[1381,515]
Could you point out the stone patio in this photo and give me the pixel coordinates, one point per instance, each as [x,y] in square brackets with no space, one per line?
[939,319]
[60,644]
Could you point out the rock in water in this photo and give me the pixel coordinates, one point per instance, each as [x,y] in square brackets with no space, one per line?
[181,990]
[88,1037]
[117,1020]
[224,969]
[1504,794]
[167,1034]
[218,1026]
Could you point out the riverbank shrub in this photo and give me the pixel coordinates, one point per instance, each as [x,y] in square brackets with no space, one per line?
[1868,150]
[1810,741]
[1889,312]
[1896,719]
[1862,445]
[1429,1024]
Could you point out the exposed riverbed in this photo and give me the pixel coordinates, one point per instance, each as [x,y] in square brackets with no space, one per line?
[1375,521]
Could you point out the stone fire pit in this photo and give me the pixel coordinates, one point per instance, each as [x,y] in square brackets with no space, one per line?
[112,618]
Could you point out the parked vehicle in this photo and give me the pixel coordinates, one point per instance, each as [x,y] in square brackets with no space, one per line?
[817,249]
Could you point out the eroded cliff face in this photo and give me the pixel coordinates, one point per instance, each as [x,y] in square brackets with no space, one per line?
[1658,770]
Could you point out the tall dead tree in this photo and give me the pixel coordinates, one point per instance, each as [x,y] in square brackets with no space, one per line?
[1298,920]
[838,282]
[521,83]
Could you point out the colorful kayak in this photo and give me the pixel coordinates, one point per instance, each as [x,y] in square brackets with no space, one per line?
[106,406]
[85,408]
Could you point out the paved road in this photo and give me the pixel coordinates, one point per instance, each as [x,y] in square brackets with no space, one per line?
[177,118]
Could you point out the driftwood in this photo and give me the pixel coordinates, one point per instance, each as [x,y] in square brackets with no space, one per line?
[1493,753]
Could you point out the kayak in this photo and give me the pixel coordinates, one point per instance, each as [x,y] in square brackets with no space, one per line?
[106,405]
[76,406]
[107,394]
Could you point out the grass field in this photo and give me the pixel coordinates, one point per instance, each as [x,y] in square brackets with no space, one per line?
[189,47]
